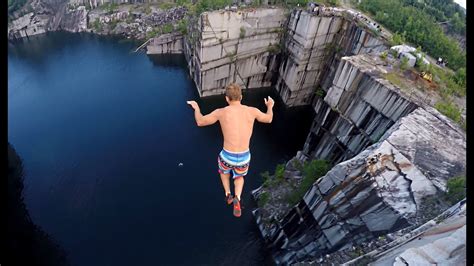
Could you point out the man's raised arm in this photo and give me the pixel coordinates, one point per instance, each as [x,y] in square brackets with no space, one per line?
[268,116]
[204,120]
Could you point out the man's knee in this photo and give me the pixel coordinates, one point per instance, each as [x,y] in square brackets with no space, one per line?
[239,178]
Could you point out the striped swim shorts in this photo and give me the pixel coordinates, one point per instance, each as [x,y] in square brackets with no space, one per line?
[238,163]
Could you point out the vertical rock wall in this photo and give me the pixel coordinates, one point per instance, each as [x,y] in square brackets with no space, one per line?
[166,44]
[314,43]
[240,47]
[376,192]
[358,109]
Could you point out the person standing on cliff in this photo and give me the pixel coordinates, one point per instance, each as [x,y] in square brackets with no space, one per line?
[236,122]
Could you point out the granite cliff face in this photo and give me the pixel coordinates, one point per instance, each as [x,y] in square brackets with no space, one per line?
[234,46]
[314,44]
[379,191]
[47,15]
[130,19]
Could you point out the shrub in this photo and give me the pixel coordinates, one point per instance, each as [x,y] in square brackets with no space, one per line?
[279,172]
[274,48]
[397,39]
[460,77]
[384,55]
[456,189]
[404,63]
[320,92]
[312,171]
[183,26]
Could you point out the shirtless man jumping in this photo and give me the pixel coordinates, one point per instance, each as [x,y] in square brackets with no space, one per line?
[236,122]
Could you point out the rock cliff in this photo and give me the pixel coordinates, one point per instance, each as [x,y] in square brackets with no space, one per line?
[314,44]
[380,190]
[234,46]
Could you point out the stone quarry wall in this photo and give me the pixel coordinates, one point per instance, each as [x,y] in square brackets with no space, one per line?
[131,21]
[359,107]
[166,44]
[228,46]
[376,192]
[314,43]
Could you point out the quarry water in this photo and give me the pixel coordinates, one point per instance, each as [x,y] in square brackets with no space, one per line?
[101,132]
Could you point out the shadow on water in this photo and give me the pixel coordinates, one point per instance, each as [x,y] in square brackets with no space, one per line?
[27,244]
[169,60]
[37,48]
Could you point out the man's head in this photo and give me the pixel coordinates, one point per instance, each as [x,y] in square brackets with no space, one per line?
[233,93]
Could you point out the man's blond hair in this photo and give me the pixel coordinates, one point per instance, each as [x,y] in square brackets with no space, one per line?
[233,92]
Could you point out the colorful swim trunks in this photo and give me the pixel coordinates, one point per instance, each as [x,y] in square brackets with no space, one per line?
[238,163]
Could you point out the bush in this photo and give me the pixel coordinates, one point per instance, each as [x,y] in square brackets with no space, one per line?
[279,172]
[320,92]
[450,110]
[183,26]
[384,55]
[460,77]
[404,63]
[456,189]
[397,39]
[274,48]
[312,171]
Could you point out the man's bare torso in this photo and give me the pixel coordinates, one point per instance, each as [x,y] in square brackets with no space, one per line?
[237,125]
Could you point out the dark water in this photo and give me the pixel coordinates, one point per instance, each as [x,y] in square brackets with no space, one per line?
[101,132]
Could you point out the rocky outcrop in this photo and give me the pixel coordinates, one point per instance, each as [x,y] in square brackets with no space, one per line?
[48,16]
[166,44]
[315,42]
[358,108]
[376,192]
[132,21]
[228,46]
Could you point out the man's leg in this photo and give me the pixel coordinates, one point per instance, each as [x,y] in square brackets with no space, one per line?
[238,186]
[225,182]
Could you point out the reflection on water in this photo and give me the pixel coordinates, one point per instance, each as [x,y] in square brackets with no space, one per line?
[102,131]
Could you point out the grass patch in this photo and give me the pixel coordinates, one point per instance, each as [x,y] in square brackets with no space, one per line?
[167,28]
[456,189]
[263,199]
[167,5]
[450,110]
[395,79]
[312,171]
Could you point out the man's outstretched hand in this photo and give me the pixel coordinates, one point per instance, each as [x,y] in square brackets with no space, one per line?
[193,104]
[270,102]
